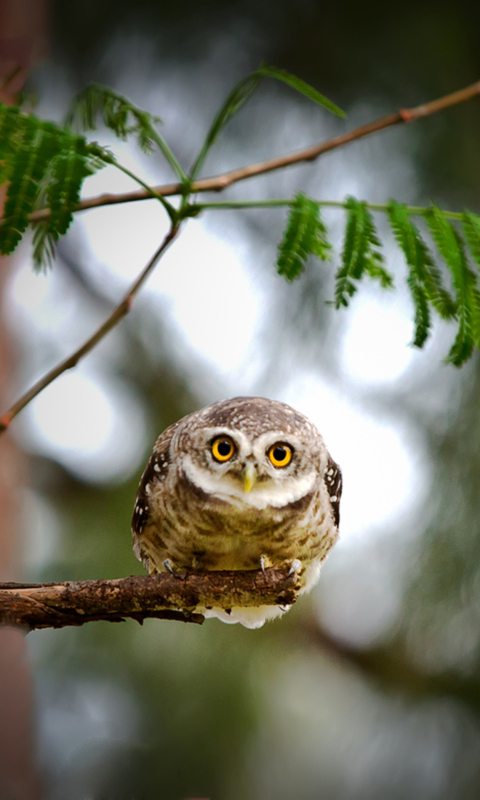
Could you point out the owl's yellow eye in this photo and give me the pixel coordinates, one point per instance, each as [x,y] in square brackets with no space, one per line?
[223,448]
[280,454]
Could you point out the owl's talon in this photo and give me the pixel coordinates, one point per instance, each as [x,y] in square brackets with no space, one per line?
[295,567]
[265,563]
[178,572]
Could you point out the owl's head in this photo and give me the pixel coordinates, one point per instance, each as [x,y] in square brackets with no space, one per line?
[251,451]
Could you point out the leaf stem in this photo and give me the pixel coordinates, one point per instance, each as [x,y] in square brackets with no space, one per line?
[284,203]
[154,194]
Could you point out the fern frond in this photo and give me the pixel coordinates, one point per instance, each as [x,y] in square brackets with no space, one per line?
[424,279]
[376,271]
[117,113]
[44,247]
[70,168]
[305,234]
[302,87]
[471,229]
[232,105]
[451,248]
[25,173]
[360,253]
[43,164]
[422,309]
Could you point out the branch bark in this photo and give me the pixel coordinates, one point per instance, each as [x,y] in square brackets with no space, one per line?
[165,596]
[218,183]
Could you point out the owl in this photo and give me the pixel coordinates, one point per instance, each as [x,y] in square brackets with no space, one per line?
[242,484]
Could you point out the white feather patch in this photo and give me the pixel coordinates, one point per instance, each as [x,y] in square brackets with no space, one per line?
[261,496]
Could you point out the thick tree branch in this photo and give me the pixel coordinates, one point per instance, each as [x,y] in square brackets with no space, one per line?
[218,183]
[165,596]
[117,314]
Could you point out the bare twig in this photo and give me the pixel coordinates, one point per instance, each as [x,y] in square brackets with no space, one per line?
[218,183]
[117,314]
[165,596]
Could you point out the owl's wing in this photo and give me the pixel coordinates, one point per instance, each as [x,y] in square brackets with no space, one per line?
[154,474]
[333,481]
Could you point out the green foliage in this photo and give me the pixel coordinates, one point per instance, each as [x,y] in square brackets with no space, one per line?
[424,278]
[452,250]
[305,235]
[360,255]
[242,92]
[45,166]
[42,163]
[237,98]
[471,229]
[302,87]
[116,112]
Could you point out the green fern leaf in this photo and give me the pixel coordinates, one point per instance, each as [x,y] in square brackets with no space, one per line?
[424,278]
[471,228]
[242,92]
[302,87]
[232,105]
[117,113]
[360,253]
[25,176]
[422,309]
[44,247]
[376,271]
[451,248]
[305,234]
[44,165]
[9,129]
[70,168]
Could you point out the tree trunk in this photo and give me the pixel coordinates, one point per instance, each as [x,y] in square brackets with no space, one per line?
[21,38]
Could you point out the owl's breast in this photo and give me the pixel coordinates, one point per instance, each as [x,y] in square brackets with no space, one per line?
[194,528]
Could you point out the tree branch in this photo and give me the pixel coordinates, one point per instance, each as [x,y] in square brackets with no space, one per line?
[164,596]
[218,183]
[117,314]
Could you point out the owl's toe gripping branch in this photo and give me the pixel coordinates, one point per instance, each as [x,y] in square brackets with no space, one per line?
[296,567]
[172,569]
[265,562]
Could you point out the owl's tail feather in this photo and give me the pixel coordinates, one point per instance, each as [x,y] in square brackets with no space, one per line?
[253,617]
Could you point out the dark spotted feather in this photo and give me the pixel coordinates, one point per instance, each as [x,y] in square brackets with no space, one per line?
[333,481]
[155,472]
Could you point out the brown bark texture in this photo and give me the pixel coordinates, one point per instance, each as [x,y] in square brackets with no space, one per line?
[165,596]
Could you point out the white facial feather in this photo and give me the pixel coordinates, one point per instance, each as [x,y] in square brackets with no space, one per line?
[269,493]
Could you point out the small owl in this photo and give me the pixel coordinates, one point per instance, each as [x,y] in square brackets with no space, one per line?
[241,484]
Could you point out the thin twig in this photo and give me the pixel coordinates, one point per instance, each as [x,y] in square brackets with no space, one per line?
[218,183]
[117,314]
[165,596]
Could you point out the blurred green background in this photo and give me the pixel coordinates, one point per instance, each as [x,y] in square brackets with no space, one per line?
[370,688]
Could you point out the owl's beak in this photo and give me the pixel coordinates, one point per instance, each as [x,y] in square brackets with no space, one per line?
[249,477]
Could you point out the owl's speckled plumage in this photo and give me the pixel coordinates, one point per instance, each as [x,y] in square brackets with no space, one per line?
[193,512]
